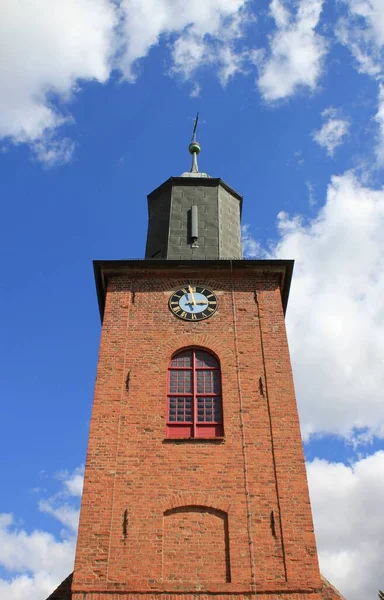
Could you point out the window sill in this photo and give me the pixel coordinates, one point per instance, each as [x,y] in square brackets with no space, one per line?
[196,440]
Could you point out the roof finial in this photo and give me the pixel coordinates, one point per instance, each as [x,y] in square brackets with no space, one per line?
[194,148]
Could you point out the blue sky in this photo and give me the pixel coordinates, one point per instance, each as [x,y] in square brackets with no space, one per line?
[96,110]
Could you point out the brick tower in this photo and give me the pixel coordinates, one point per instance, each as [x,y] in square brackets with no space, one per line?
[195,484]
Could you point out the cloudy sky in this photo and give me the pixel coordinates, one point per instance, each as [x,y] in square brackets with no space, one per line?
[96,109]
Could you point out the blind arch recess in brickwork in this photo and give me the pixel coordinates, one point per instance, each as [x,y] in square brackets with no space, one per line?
[196,545]
[194,402]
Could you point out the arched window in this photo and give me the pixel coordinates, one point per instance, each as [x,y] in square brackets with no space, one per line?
[194,395]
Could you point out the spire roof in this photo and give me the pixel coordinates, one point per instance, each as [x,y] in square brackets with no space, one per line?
[194,149]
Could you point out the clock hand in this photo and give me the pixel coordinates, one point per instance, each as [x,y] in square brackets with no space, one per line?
[192,296]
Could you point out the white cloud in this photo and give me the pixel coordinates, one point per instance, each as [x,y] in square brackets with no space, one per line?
[335,316]
[46,49]
[297,52]
[189,53]
[362,30]
[60,505]
[22,551]
[53,151]
[251,247]
[347,504]
[67,514]
[195,92]
[36,562]
[333,132]
[36,587]
[196,30]
[210,40]
[380,120]
[231,63]
[73,482]
[311,193]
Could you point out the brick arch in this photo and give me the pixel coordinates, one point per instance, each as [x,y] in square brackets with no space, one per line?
[197,347]
[164,284]
[195,499]
[196,545]
[175,343]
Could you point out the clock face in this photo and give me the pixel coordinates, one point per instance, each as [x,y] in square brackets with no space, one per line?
[193,303]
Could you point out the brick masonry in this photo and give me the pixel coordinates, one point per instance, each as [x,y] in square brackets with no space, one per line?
[193,519]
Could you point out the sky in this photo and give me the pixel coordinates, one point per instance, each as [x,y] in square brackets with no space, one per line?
[97,105]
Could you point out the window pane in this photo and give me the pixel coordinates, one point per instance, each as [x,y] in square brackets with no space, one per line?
[194,377]
[208,382]
[209,409]
[183,359]
[180,382]
[200,382]
[216,382]
[180,409]
[172,382]
[203,359]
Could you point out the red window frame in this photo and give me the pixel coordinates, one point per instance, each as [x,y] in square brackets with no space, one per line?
[200,411]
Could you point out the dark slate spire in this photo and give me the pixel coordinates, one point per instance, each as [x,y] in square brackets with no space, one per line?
[194,216]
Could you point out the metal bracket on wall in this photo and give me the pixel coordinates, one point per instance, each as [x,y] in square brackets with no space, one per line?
[128,380]
[273,525]
[125,524]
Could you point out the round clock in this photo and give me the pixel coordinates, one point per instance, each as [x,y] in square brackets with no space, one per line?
[193,303]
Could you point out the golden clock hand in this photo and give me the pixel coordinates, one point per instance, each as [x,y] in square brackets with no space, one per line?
[192,296]
[196,302]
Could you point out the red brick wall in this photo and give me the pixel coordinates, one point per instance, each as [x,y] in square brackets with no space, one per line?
[196,546]
[235,484]
[329,592]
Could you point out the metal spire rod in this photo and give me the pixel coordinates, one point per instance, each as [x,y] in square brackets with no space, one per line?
[195,127]
[194,147]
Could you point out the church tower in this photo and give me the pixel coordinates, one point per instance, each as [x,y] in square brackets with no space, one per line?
[195,485]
